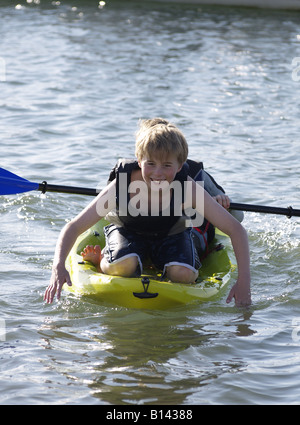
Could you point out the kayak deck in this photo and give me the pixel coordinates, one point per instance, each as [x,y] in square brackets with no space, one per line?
[146,291]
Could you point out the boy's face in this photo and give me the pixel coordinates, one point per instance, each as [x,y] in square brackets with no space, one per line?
[159,170]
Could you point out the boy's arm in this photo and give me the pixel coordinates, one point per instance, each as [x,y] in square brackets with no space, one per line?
[220,218]
[83,221]
[218,193]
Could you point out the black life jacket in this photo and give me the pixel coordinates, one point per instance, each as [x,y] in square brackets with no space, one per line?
[161,225]
[195,170]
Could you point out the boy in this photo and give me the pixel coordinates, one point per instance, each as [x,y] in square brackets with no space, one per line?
[148,206]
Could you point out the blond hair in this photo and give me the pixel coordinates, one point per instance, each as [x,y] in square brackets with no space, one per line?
[158,136]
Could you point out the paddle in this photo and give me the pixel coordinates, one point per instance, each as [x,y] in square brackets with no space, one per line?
[289,211]
[12,184]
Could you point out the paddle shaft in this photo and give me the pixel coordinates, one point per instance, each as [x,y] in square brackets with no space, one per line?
[289,212]
[11,183]
[45,187]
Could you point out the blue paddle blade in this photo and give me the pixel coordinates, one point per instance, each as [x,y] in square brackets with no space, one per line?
[11,183]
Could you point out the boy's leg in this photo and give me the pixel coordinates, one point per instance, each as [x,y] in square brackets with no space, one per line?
[123,252]
[124,267]
[177,257]
[181,274]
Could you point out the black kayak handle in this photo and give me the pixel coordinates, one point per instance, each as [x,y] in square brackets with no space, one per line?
[145,294]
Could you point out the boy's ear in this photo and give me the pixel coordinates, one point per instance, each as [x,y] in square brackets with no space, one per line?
[179,169]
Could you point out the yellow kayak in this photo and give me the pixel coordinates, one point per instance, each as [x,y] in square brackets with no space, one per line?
[146,291]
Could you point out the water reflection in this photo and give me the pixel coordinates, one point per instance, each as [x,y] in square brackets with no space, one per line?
[130,357]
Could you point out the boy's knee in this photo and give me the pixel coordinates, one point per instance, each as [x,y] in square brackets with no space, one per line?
[181,274]
[126,267]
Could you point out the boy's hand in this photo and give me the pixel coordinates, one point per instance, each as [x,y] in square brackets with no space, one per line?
[222,200]
[241,293]
[59,276]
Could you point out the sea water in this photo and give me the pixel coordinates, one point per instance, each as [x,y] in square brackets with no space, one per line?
[75,78]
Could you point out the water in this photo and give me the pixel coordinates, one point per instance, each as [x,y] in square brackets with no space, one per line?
[75,79]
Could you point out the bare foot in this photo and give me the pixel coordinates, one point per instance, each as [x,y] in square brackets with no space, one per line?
[93,255]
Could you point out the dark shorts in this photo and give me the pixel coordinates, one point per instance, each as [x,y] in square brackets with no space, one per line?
[178,249]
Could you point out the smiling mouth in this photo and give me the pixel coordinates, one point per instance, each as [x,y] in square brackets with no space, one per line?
[158,182]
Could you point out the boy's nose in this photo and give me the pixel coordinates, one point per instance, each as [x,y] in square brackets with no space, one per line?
[158,172]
